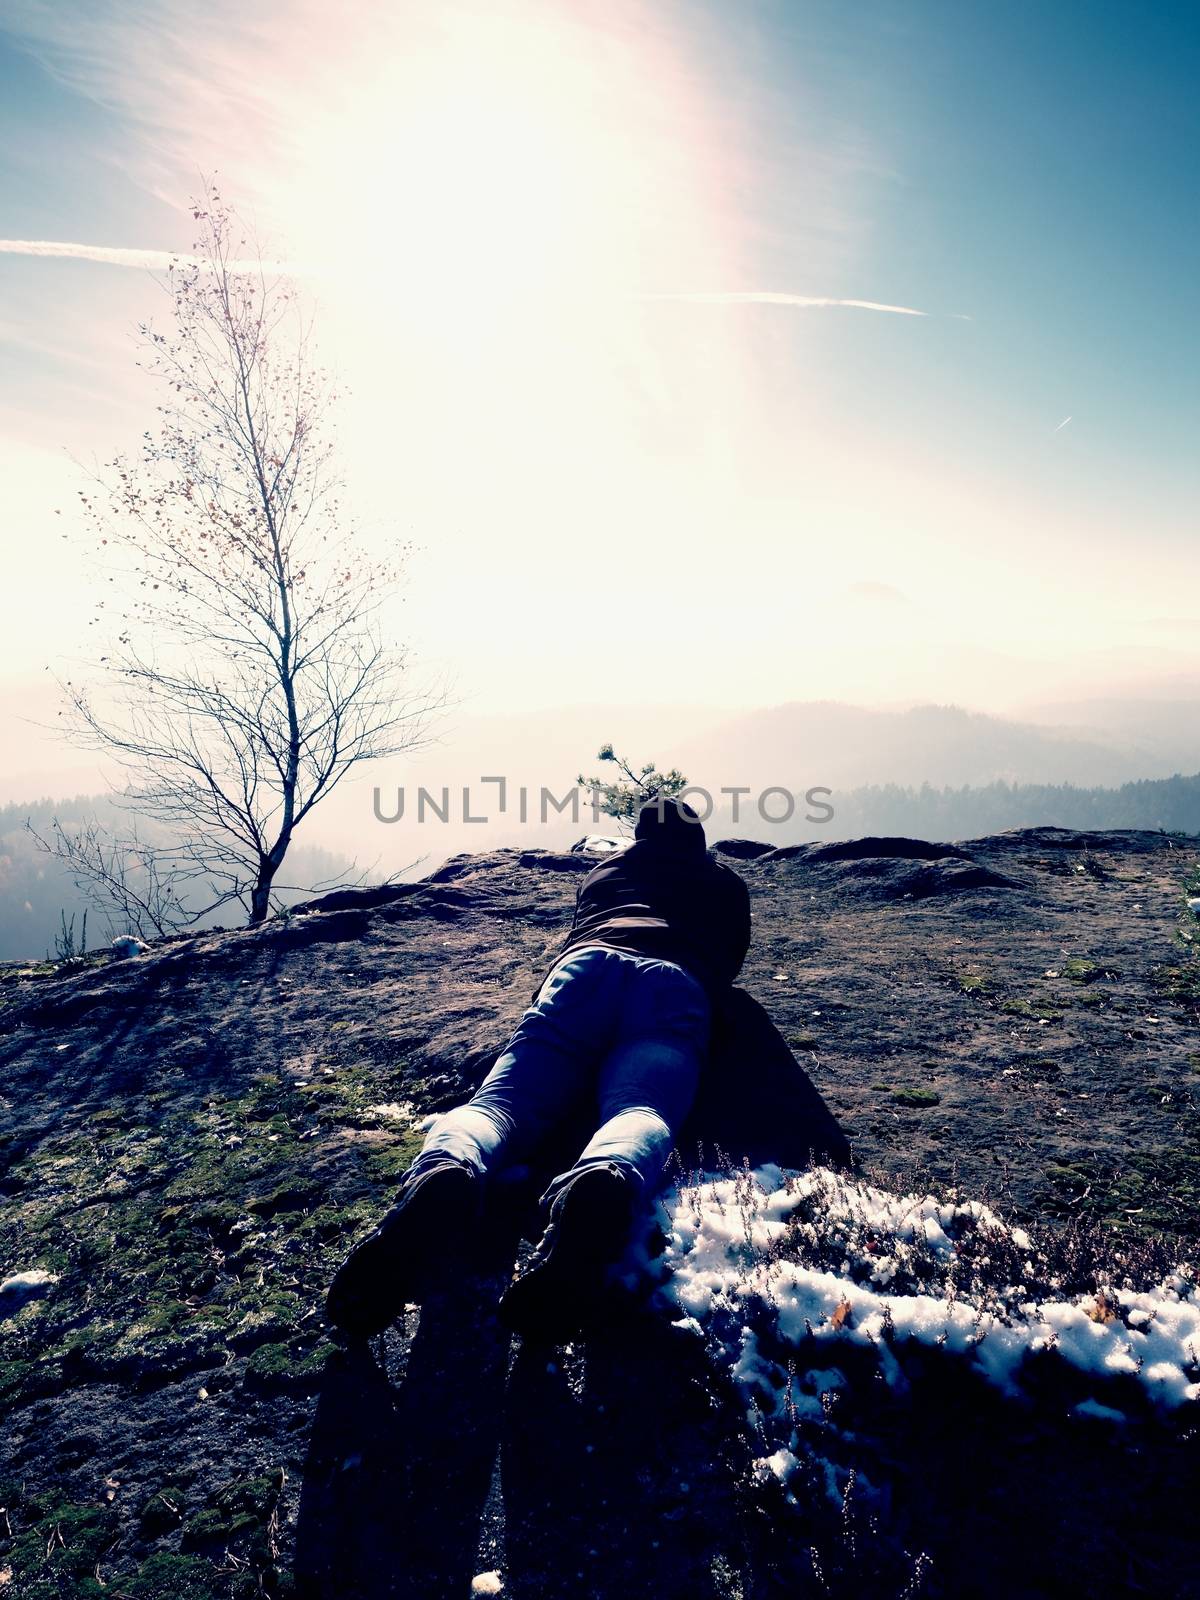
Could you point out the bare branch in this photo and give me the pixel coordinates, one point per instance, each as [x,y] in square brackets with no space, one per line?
[247,675]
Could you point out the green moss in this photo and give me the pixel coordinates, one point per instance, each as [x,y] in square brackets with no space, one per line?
[271,1319]
[171,1577]
[66,1543]
[211,1174]
[269,1361]
[971,982]
[1025,1008]
[111,1117]
[1179,984]
[238,1512]
[164,1314]
[389,1164]
[1077,970]
[916,1097]
[1072,1178]
[218,1526]
[229,1175]
[212,1218]
[163,1511]
[802,1041]
[329,1222]
[344,1099]
[261,1102]
[290,1367]
[14,1378]
[1154,1191]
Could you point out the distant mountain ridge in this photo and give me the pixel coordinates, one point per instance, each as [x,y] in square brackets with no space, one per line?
[937,771]
[845,746]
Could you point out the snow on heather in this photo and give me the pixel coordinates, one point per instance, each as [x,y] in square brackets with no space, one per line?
[822,1256]
[26,1283]
[20,1287]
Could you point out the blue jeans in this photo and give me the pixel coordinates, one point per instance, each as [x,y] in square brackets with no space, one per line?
[618,1034]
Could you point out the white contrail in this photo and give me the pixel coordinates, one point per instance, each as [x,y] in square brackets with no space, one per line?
[1062,424]
[763,297]
[160,260]
[87,252]
[155,260]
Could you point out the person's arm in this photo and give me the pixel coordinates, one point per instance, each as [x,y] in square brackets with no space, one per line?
[565,941]
[740,922]
[733,931]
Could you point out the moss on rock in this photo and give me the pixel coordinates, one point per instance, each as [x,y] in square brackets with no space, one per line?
[918,1098]
[58,1555]
[294,1367]
[166,1576]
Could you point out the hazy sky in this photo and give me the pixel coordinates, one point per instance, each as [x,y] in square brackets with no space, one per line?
[566,257]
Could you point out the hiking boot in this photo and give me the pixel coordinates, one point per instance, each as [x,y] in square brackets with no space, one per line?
[400,1258]
[560,1289]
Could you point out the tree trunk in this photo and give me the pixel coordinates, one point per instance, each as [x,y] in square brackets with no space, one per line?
[260,895]
[268,866]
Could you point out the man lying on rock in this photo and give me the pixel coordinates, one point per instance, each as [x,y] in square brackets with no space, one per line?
[619,1027]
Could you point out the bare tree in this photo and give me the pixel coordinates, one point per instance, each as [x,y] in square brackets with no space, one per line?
[150,890]
[248,673]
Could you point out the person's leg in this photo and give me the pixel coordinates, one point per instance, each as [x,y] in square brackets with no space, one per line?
[646,1086]
[648,1079]
[548,1064]
[545,1070]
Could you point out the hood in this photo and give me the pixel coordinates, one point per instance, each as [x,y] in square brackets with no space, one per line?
[672,824]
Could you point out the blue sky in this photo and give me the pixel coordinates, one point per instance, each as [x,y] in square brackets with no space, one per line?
[525,221]
[1038,170]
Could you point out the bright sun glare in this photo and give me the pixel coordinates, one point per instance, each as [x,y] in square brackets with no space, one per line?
[490,203]
[501,163]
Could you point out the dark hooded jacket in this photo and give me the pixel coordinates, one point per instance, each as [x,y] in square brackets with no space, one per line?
[666,898]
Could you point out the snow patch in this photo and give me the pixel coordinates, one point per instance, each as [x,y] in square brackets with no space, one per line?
[395,1111]
[22,1282]
[735,1261]
[22,1286]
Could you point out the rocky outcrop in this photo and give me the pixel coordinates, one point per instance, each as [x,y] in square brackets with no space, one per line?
[189,1139]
